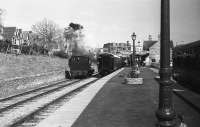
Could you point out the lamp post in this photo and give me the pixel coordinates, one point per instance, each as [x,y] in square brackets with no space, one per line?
[165,113]
[133,36]
[133,77]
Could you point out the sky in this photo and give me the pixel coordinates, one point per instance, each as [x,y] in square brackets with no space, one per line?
[108,20]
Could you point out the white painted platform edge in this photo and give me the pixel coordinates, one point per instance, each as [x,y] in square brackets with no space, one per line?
[66,115]
[155,70]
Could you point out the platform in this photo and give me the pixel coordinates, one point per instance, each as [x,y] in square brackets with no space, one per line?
[116,104]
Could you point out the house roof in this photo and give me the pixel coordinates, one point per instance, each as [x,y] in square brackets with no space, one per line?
[8,32]
[148,44]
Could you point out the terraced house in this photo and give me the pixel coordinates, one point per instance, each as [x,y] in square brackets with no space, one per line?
[17,37]
[14,35]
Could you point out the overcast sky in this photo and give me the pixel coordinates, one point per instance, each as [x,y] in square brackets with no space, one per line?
[108,20]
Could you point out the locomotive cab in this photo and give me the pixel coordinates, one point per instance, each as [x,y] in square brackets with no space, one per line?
[80,66]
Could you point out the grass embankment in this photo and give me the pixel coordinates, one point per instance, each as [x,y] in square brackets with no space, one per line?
[12,66]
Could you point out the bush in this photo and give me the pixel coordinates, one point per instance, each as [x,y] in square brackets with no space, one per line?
[4,45]
[33,49]
[42,50]
[60,54]
[25,49]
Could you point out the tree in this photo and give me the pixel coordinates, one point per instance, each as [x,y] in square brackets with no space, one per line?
[1,24]
[46,31]
[1,14]
[60,39]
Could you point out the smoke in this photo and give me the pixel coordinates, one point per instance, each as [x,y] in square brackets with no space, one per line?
[75,38]
[76,26]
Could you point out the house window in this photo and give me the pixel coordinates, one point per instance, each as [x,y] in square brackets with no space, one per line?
[153,60]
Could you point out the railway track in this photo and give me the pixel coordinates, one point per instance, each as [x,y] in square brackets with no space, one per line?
[33,90]
[26,109]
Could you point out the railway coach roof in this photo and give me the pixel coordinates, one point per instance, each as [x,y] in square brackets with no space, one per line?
[189,45]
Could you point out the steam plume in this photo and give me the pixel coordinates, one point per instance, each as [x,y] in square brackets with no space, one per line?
[74,36]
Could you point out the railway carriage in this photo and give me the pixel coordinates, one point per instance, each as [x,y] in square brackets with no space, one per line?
[186,64]
[108,63]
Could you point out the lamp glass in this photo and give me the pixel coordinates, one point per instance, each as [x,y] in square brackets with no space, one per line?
[133,36]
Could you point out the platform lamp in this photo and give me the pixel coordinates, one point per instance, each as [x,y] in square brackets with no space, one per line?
[133,36]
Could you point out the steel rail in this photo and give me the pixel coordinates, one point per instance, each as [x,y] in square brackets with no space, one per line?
[5,109]
[54,102]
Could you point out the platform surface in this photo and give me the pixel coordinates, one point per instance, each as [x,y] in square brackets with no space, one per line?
[116,104]
[121,105]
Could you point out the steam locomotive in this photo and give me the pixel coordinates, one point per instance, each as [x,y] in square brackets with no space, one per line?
[80,67]
[108,63]
[186,65]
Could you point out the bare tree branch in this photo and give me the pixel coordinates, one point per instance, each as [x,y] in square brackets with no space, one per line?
[46,30]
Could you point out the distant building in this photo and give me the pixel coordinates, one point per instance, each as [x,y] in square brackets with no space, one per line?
[147,44]
[154,53]
[150,37]
[27,37]
[139,47]
[152,47]
[8,33]
[118,48]
[14,35]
